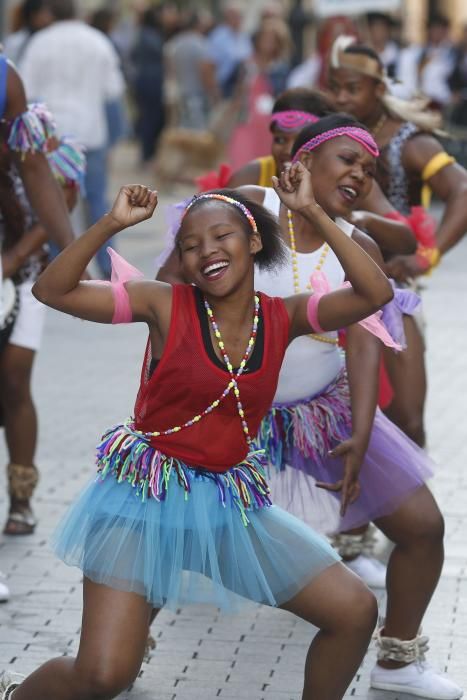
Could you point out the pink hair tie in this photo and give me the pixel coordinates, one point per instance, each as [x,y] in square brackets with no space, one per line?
[362,136]
[292,119]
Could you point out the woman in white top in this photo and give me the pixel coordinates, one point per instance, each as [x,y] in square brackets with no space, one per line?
[323,427]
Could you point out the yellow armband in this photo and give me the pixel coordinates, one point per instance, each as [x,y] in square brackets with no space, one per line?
[434,165]
[267,168]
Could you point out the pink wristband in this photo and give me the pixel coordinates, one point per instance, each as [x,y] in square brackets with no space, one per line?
[312,311]
[122,310]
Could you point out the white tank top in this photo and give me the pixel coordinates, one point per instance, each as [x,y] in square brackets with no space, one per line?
[309,365]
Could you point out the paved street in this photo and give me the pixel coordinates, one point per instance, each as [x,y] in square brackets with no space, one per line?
[85,379]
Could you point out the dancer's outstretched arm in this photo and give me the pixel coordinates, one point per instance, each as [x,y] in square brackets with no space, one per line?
[369,290]
[59,286]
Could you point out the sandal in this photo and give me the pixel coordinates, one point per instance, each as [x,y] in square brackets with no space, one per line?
[21,484]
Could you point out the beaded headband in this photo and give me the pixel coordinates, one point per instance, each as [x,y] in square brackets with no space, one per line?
[292,119]
[362,136]
[229,200]
[359,62]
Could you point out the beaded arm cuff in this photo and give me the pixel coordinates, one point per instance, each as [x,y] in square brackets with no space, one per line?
[30,131]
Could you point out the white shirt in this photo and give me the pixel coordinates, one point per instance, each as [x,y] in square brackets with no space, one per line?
[74,69]
[309,365]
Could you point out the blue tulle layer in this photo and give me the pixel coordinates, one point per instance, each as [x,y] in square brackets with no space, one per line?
[189,547]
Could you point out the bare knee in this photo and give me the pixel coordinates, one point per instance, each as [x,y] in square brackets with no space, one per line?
[361,609]
[103,681]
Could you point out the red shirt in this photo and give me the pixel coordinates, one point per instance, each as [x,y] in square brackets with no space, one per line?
[186,382]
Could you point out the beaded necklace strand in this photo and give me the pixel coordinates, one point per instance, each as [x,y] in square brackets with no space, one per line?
[296,277]
[233,384]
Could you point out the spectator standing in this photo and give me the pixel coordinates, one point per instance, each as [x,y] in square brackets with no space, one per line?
[75,69]
[148,80]
[230,48]
[33,15]
[427,69]
[458,83]
[380,38]
[264,77]
[191,68]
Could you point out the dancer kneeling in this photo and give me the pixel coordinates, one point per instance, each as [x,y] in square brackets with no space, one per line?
[175,515]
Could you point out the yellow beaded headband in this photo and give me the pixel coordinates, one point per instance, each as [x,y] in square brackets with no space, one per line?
[229,200]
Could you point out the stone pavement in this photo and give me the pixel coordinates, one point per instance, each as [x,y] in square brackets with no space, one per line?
[85,379]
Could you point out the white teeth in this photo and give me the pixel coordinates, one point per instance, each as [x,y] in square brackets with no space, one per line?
[215,266]
[350,191]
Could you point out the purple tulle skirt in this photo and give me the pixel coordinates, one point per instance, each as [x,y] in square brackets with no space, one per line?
[297,438]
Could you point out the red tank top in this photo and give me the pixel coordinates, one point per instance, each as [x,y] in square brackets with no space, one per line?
[186,381]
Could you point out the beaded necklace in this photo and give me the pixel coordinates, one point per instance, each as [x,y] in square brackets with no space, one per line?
[379,124]
[296,278]
[233,384]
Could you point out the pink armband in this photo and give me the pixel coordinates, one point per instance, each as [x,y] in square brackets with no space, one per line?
[122,272]
[122,310]
[312,311]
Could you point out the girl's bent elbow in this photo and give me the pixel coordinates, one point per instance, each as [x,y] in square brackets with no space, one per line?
[387,296]
[39,293]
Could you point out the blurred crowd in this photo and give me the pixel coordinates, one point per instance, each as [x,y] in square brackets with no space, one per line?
[182,69]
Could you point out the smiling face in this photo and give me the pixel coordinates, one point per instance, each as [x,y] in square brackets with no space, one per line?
[281,149]
[217,248]
[343,173]
[356,94]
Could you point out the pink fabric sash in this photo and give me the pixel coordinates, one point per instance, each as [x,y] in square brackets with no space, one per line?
[122,272]
[373,324]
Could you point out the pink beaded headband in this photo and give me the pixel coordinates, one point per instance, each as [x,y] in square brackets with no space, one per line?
[362,136]
[229,200]
[292,119]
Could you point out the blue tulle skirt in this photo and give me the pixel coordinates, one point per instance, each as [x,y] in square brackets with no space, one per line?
[190,546]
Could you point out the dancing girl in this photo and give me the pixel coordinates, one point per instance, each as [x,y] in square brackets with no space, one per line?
[176,515]
[322,425]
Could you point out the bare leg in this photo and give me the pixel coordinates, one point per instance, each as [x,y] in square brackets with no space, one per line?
[113,638]
[345,610]
[417,529]
[407,374]
[20,418]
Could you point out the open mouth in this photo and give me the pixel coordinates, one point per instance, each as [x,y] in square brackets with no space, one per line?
[350,194]
[215,270]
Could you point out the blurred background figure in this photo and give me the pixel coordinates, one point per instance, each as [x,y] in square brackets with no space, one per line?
[426,69]
[147,60]
[458,83]
[192,72]
[230,47]
[74,69]
[263,77]
[380,39]
[29,18]
[313,70]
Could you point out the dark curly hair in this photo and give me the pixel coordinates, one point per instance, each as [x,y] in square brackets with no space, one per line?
[10,207]
[272,253]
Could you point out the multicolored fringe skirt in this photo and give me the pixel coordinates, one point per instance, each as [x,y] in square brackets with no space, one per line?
[297,438]
[177,534]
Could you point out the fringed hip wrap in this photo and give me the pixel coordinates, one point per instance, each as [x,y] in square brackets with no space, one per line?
[130,457]
[312,426]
